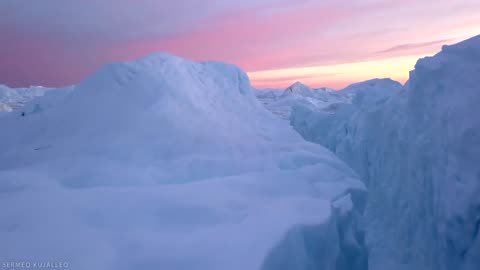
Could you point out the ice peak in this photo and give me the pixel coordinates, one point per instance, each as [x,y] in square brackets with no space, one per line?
[297,85]
[298,88]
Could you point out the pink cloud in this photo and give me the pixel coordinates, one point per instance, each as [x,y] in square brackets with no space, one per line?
[248,39]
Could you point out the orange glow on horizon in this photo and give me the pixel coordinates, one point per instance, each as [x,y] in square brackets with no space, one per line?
[336,76]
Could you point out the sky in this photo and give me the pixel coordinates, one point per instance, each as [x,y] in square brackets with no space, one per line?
[329,43]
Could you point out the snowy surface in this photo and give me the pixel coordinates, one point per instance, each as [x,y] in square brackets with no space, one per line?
[15,98]
[163,163]
[418,151]
[281,102]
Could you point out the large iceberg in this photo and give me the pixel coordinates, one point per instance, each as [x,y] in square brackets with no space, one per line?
[164,163]
[418,151]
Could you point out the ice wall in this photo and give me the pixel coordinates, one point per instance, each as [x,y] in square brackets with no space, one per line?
[418,152]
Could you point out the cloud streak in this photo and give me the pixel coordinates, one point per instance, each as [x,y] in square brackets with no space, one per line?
[410,46]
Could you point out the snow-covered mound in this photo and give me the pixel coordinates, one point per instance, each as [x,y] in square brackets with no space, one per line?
[372,92]
[163,163]
[419,153]
[15,98]
[372,85]
[281,103]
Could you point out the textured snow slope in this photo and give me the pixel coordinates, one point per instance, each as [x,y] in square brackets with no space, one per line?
[419,154]
[163,163]
[14,98]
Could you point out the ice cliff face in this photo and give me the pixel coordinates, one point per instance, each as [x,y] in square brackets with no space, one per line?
[418,152]
[164,163]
